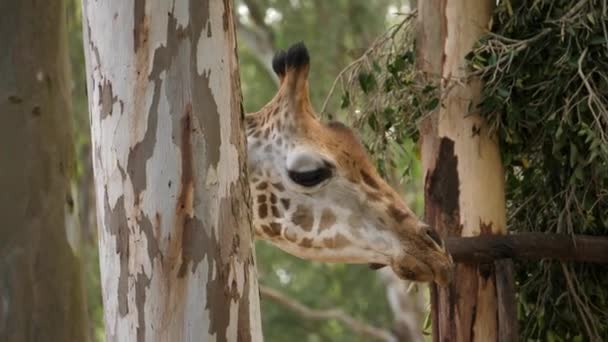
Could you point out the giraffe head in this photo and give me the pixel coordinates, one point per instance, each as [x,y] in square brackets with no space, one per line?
[316,194]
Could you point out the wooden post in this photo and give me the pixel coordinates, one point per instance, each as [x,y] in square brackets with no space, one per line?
[464,179]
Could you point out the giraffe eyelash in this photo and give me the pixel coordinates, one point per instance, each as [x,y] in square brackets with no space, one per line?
[310,178]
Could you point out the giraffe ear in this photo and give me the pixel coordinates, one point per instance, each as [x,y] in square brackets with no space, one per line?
[297,63]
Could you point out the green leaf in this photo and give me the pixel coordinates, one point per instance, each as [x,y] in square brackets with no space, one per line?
[367,81]
[345,101]
[573,155]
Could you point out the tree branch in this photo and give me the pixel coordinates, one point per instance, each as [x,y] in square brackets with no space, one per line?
[315,314]
[258,38]
[486,248]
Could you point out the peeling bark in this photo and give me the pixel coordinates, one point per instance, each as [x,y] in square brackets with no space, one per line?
[41,288]
[464,179]
[174,225]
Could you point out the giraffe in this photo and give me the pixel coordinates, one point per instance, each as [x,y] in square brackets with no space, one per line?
[316,195]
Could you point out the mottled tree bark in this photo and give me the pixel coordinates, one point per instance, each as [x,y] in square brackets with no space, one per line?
[464,178]
[168,154]
[41,288]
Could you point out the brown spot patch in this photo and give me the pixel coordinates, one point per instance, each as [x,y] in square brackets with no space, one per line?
[369,180]
[263,210]
[273,230]
[273,198]
[397,214]
[275,211]
[303,218]
[261,198]
[285,202]
[262,186]
[327,219]
[278,186]
[306,243]
[373,196]
[338,241]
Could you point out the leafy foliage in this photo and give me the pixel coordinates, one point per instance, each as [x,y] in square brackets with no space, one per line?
[544,65]
[384,98]
[546,95]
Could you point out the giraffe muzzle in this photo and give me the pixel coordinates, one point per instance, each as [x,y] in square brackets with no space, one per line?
[412,268]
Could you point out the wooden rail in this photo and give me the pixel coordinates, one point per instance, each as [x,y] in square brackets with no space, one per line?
[485,248]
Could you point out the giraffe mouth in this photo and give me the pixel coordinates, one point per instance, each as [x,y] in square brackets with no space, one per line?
[411,267]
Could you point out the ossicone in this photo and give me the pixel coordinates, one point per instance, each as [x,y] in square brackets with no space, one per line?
[295,59]
[292,68]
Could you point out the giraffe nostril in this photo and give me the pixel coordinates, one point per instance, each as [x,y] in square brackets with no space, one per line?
[433,235]
[408,274]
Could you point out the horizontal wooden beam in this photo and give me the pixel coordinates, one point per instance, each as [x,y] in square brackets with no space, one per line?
[486,248]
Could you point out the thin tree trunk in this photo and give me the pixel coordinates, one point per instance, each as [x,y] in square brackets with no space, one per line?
[41,288]
[168,154]
[407,306]
[464,178]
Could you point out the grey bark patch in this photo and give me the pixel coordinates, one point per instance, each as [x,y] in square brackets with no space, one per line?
[165,54]
[107,99]
[141,283]
[146,227]
[143,150]
[244,318]
[206,111]
[203,104]
[194,235]
[220,292]
[444,184]
[116,224]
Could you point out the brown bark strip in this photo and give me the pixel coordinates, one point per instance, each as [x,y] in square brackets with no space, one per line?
[507,308]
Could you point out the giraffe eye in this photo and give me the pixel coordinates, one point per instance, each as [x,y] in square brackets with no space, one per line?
[310,178]
[308,168]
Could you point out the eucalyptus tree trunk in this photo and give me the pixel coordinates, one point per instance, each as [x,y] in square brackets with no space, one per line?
[464,183]
[172,197]
[41,288]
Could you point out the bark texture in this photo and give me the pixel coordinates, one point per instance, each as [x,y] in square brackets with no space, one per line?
[464,178]
[41,288]
[168,154]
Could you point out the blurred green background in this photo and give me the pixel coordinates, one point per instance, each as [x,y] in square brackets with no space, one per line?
[336,33]
[553,147]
